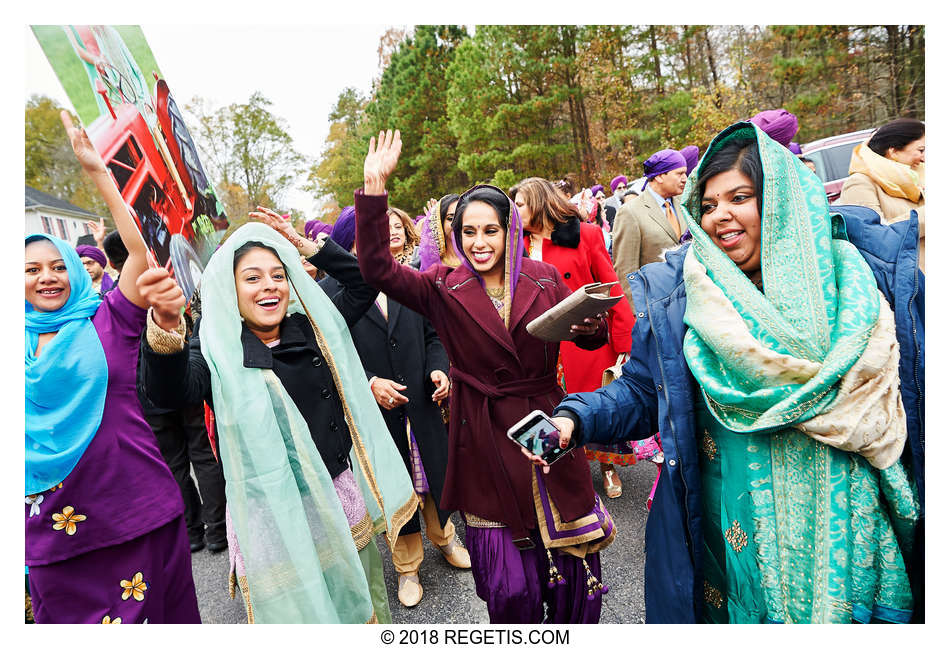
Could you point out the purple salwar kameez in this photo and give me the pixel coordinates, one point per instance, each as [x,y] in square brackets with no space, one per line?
[110,540]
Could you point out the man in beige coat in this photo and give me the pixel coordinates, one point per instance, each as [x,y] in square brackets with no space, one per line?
[652,222]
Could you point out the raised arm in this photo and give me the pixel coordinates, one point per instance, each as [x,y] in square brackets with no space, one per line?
[407,286]
[355,296]
[95,168]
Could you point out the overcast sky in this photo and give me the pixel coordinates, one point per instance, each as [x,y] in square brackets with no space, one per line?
[300,69]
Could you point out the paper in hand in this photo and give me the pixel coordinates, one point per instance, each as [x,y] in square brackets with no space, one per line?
[587,301]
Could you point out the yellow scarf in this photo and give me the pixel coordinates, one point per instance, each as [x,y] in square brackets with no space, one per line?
[895,178]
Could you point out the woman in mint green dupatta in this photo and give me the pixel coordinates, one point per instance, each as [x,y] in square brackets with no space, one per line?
[304,562]
[808,511]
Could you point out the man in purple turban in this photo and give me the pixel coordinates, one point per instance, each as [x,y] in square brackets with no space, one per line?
[778,124]
[344,230]
[95,262]
[691,155]
[612,205]
[595,189]
[314,227]
[653,221]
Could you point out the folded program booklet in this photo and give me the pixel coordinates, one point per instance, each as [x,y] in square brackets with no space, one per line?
[586,302]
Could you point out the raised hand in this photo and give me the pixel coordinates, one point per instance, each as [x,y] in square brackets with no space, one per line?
[163,294]
[284,227]
[89,159]
[380,162]
[98,231]
[430,205]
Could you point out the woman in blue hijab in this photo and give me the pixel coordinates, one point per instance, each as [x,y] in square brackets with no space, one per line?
[105,532]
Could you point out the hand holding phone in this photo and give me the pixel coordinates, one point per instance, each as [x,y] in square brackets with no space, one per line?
[539,436]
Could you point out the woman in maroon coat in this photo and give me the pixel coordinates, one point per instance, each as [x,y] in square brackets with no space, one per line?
[499,373]
[556,235]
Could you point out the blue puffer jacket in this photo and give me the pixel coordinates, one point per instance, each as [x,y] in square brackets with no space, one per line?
[656,392]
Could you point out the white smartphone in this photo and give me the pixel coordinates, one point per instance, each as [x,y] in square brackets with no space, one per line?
[538,433]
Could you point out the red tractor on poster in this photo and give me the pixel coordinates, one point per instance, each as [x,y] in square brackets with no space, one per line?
[159,175]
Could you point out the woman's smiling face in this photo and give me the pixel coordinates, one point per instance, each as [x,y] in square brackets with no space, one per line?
[730,216]
[262,291]
[47,280]
[483,238]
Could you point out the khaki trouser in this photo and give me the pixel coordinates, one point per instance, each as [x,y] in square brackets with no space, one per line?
[407,555]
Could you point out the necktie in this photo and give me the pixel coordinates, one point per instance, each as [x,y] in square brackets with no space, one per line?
[671,217]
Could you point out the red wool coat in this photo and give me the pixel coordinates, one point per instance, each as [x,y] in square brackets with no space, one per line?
[588,262]
[498,376]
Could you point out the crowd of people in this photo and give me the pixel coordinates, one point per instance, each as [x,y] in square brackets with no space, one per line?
[765,352]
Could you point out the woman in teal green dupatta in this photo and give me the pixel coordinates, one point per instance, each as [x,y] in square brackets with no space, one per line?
[305,563]
[808,511]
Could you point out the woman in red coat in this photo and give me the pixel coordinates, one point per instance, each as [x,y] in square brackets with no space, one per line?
[500,373]
[556,235]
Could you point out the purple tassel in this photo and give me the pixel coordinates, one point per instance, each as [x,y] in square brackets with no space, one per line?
[594,587]
[554,576]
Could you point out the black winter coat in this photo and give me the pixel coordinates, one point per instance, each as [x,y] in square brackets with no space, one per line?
[175,380]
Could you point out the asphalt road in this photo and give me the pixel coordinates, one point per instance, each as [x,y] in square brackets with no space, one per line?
[449,594]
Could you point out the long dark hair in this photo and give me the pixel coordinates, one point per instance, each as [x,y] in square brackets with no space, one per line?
[741,153]
[896,134]
[444,203]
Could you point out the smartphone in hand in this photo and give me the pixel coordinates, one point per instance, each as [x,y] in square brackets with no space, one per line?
[540,436]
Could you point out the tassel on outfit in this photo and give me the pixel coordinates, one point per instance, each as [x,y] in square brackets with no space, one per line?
[594,587]
[554,577]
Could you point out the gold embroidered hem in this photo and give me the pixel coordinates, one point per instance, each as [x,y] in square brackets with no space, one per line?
[471,520]
[241,583]
[578,546]
[400,518]
[362,532]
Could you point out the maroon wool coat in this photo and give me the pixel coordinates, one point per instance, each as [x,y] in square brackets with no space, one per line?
[498,376]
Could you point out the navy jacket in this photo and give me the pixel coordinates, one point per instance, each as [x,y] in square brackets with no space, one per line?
[656,392]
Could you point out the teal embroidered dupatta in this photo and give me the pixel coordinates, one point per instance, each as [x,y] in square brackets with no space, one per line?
[803,522]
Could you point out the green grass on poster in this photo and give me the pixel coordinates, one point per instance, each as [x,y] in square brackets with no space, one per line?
[71,72]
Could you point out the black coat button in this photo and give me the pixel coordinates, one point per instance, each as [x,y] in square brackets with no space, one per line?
[392,343]
[341,458]
[400,378]
[334,427]
[567,275]
[325,393]
[317,361]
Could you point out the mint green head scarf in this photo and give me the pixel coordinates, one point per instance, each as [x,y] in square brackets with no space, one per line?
[301,559]
[810,323]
